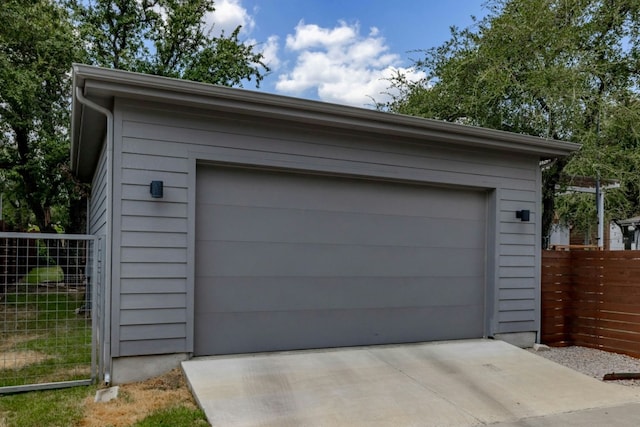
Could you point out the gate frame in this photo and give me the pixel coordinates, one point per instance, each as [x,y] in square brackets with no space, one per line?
[94,282]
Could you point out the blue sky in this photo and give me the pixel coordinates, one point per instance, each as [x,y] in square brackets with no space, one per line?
[341,51]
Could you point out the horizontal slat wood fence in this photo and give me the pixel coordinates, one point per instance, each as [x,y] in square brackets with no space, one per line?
[592,299]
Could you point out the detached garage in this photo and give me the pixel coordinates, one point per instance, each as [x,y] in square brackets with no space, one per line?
[237,222]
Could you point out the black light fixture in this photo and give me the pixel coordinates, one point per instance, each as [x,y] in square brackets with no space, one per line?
[523,215]
[156,189]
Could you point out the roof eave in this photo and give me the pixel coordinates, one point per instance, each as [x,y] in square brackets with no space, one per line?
[94,80]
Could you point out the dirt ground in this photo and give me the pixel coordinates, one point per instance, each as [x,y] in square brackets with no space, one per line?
[16,359]
[136,401]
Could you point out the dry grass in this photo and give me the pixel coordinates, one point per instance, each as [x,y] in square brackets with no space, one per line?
[11,341]
[16,359]
[20,359]
[12,359]
[136,401]
[16,318]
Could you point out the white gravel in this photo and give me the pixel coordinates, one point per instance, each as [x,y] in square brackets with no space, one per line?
[592,362]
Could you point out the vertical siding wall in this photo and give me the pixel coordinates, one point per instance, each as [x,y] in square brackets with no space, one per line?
[152,272]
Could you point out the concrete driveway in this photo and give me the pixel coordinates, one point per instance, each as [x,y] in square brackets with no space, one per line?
[456,383]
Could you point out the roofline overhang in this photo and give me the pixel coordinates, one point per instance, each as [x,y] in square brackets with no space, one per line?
[101,82]
[629,221]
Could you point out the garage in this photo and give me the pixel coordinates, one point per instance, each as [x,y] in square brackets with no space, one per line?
[234,221]
[287,260]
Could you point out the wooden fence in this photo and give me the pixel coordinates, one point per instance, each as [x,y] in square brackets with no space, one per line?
[592,299]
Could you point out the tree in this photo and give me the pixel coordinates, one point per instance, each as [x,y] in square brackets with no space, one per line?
[166,38]
[562,69]
[40,39]
[36,50]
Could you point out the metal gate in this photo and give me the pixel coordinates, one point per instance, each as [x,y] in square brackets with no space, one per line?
[48,327]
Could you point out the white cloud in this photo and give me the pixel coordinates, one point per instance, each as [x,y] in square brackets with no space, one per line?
[270,52]
[340,65]
[227,16]
[310,35]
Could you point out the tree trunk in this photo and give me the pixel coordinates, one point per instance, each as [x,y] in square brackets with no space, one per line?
[78,216]
[550,178]
[31,190]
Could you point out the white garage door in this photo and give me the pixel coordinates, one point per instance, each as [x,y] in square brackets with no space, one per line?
[293,261]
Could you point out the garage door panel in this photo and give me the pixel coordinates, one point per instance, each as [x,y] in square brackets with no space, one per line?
[240,187]
[240,294]
[292,226]
[237,332]
[291,261]
[286,259]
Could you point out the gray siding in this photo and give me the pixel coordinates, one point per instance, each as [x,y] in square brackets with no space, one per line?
[150,267]
[519,248]
[153,272]
[97,225]
[97,215]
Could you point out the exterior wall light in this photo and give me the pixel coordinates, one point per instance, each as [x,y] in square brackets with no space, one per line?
[156,189]
[523,215]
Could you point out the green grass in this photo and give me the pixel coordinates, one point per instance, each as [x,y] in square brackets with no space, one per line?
[46,408]
[44,274]
[45,328]
[45,324]
[38,310]
[64,407]
[178,416]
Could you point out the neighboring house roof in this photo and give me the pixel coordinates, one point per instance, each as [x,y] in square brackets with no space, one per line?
[629,221]
[587,181]
[102,85]
[585,184]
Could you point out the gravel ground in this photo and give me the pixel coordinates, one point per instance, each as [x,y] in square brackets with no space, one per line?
[592,362]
